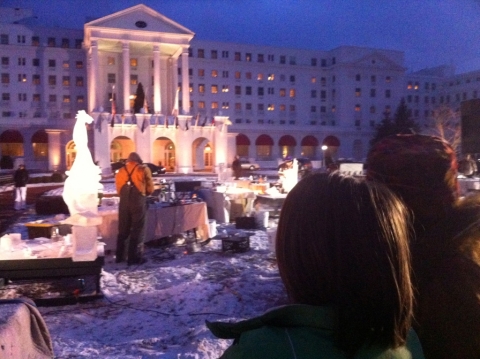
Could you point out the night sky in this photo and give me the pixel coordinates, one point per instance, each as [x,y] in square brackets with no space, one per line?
[430,32]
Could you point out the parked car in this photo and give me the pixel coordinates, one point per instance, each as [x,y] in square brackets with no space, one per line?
[247,165]
[156,170]
[304,165]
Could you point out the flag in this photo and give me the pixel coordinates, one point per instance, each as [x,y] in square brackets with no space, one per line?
[176,122]
[205,121]
[196,119]
[213,121]
[186,124]
[114,108]
[144,124]
[166,121]
[145,103]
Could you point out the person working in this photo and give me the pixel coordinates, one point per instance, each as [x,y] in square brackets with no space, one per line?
[342,253]
[21,179]
[236,168]
[422,170]
[133,183]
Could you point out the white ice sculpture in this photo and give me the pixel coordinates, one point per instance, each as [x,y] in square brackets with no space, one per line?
[80,191]
[290,177]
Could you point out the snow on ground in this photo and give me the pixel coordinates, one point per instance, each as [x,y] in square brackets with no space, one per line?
[158,309]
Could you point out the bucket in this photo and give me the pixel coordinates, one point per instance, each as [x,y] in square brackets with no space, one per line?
[84,240]
[212,226]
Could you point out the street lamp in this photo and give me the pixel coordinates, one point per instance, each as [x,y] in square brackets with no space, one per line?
[324,148]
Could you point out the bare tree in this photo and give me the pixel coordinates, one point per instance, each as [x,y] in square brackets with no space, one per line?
[446,125]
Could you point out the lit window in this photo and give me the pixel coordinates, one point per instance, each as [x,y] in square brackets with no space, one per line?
[224,88]
[201,104]
[201,88]
[201,72]
[214,89]
[79,81]
[133,79]
[283,92]
[248,75]
[271,77]
[313,80]
[66,80]
[201,53]
[292,93]
[80,99]
[225,105]
[238,75]
[66,98]
[133,62]
[214,73]
[271,107]
[282,107]
[111,60]
[214,105]
[79,64]
[65,43]
[357,108]
[66,65]
[52,80]
[358,92]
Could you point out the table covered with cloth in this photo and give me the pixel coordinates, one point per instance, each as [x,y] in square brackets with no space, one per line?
[162,221]
[23,332]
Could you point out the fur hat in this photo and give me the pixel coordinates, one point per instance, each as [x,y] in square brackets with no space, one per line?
[421,169]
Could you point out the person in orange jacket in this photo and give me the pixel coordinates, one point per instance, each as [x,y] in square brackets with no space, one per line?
[133,182]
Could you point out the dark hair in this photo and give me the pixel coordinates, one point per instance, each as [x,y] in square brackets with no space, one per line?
[134,156]
[343,242]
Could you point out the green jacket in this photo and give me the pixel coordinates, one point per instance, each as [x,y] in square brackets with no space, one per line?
[297,331]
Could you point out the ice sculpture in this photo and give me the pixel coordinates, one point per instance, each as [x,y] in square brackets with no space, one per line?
[290,177]
[80,193]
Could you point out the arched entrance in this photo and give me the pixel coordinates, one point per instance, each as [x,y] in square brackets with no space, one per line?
[40,145]
[202,155]
[71,152]
[330,147]
[243,145]
[163,153]
[309,147]
[287,146]
[11,143]
[120,148]
[264,145]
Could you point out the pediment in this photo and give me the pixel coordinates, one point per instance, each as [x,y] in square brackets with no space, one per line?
[139,18]
[379,61]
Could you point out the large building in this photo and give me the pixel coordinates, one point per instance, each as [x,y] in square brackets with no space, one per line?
[204,101]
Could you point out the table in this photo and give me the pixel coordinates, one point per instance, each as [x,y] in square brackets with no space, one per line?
[51,264]
[229,203]
[272,203]
[161,222]
[23,333]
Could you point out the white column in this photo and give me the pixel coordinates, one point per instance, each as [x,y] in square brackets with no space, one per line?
[126,76]
[185,83]
[157,104]
[93,71]
[54,149]
[175,83]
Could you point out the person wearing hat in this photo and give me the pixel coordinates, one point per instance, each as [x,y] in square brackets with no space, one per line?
[21,179]
[133,182]
[445,249]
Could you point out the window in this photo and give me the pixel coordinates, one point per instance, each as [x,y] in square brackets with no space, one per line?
[111,78]
[214,89]
[4,39]
[388,79]
[51,42]
[260,91]
[358,92]
[388,93]
[52,63]
[225,74]
[201,88]
[79,64]
[248,90]
[292,93]
[65,43]
[214,105]
[260,77]
[373,79]
[358,107]
[248,75]
[283,59]
[292,60]
[271,107]
[214,54]
[225,88]
[5,96]
[201,53]
[260,107]
[238,106]
[358,77]
[238,75]
[313,61]
[22,78]
[35,41]
[283,92]
[52,80]
[133,62]
[323,95]
[248,57]
[271,77]
[271,91]
[238,90]
[282,107]
[36,79]
[225,105]
[292,78]
[201,104]
[133,79]
[248,106]
[323,81]
[66,65]
[21,61]
[78,43]
[313,109]
[66,80]
[225,54]
[52,98]
[5,61]
[80,99]
[260,58]
[238,56]
[110,60]
[66,98]
[292,108]
[313,93]
[36,97]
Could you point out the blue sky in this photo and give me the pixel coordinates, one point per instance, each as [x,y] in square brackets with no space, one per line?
[430,32]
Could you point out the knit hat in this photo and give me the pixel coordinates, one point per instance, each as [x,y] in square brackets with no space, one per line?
[421,169]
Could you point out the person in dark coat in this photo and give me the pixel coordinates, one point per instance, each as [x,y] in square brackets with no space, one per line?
[422,170]
[236,168]
[21,179]
[133,182]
